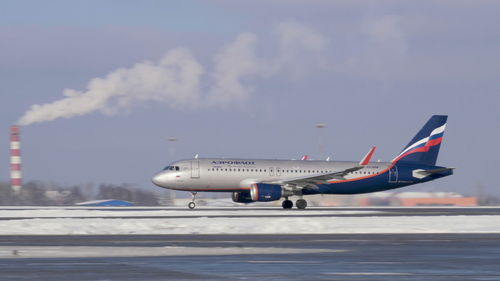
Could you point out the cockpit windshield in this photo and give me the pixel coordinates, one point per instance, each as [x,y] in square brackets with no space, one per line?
[171,168]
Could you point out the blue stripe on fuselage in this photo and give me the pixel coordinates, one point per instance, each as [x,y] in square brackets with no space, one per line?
[378,182]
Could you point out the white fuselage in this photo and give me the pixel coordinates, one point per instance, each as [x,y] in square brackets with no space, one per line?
[223,175]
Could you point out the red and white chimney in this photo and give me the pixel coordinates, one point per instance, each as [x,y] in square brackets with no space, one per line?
[15,159]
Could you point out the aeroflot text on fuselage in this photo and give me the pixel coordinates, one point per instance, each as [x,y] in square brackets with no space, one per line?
[232,162]
[269,180]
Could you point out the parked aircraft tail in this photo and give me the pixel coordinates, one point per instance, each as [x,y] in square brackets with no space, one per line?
[424,147]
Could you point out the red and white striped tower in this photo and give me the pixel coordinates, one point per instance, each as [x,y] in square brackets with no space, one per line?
[15,159]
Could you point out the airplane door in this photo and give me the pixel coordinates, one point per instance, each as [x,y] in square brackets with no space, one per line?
[393,174]
[271,171]
[278,172]
[195,169]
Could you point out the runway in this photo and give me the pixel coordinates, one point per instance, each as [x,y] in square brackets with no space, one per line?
[327,257]
[249,244]
[181,212]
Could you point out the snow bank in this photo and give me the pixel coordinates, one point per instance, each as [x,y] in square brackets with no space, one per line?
[252,225]
[60,212]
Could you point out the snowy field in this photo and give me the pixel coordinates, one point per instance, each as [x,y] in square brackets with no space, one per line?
[123,221]
[120,212]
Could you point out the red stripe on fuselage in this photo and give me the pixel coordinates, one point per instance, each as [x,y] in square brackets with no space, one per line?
[364,177]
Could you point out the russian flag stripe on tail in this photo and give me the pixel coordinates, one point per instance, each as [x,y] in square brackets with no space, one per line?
[424,147]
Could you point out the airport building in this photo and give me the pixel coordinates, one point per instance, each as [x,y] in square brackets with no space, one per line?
[106,203]
[411,199]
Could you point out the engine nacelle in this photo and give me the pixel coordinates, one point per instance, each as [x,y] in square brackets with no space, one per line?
[242,197]
[265,192]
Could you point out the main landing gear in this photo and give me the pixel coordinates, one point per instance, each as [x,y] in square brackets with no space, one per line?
[192,205]
[301,204]
[288,204]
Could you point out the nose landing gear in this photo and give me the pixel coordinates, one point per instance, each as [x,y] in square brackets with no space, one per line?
[192,205]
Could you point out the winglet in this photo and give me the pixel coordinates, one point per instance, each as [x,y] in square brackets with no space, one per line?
[367,157]
[305,157]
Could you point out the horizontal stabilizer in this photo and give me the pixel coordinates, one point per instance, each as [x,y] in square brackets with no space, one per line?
[435,171]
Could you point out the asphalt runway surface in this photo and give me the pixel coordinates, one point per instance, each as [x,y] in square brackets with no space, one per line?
[449,256]
[345,257]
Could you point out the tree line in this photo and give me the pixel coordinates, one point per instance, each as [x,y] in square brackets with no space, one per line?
[38,193]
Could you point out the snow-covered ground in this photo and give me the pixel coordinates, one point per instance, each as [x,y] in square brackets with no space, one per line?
[63,221]
[63,212]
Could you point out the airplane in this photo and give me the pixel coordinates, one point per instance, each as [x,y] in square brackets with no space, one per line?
[261,180]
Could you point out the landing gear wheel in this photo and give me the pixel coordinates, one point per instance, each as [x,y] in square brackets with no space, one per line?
[301,204]
[287,204]
[191,204]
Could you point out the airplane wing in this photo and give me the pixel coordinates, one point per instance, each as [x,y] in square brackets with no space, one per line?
[319,179]
[309,181]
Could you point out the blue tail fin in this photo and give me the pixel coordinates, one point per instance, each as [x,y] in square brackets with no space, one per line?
[424,147]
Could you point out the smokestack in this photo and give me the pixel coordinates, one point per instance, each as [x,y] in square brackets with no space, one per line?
[15,159]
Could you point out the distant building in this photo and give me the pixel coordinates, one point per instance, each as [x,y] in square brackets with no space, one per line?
[57,194]
[106,203]
[435,199]
[409,199]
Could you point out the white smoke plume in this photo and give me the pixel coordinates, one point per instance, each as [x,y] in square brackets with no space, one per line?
[175,79]
[236,60]
[296,40]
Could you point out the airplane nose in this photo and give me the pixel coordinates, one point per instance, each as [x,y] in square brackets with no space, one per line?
[159,179]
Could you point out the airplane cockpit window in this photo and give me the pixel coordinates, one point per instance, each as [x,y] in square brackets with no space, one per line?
[172,168]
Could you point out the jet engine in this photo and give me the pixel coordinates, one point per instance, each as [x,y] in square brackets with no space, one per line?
[242,197]
[265,192]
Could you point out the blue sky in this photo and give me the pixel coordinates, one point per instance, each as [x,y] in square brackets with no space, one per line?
[374,71]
